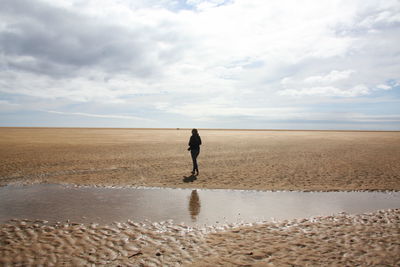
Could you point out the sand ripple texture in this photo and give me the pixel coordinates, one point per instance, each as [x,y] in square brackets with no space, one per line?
[343,240]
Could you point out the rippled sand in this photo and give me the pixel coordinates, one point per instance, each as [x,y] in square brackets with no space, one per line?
[263,160]
[343,240]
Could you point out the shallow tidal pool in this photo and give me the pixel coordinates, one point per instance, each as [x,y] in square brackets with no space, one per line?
[190,206]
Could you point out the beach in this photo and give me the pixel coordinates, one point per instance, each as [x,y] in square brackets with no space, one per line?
[260,160]
[229,159]
[342,240]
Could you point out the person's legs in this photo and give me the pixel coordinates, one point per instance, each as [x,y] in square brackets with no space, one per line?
[194,154]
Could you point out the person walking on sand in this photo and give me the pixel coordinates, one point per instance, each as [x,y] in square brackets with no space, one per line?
[194,148]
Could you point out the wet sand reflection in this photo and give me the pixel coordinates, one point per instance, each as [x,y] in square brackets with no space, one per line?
[194,205]
[106,205]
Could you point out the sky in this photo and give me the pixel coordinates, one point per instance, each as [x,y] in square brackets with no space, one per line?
[250,64]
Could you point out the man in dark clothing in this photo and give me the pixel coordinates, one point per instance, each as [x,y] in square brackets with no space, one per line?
[194,148]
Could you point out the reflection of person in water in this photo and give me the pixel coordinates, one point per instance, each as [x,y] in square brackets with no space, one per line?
[194,205]
[194,148]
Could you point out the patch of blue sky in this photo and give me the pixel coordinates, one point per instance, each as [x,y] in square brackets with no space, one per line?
[8,96]
[178,5]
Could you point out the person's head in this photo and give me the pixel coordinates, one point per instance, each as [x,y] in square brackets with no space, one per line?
[195,132]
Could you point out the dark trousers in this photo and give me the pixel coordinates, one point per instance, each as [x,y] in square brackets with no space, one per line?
[195,153]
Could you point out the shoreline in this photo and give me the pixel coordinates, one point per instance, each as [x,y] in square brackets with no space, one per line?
[128,186]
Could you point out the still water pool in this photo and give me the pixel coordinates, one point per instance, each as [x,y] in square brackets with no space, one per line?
[194,207]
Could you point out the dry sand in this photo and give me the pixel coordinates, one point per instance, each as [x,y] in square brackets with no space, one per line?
[263,160]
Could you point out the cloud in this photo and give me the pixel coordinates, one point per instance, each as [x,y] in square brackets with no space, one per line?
[331,77]
[375,118]
[384,87]
[215,112]
[207,4]
[218,110]
[334,84]
[108,116]
[7,106]
[327,91]
[259,57]
[45,39]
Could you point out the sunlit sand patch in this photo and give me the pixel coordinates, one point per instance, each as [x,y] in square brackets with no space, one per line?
[260,160]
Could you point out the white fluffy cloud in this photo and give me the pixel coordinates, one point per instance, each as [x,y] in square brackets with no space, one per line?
[331,77]
[358,90]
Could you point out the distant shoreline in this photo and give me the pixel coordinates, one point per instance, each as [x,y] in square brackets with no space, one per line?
[202,129]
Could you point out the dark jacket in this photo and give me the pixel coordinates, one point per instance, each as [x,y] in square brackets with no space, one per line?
[195,142]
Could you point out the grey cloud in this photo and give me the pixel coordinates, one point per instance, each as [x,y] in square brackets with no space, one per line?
[48,40]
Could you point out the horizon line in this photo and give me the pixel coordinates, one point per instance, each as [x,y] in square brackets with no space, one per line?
[203,129]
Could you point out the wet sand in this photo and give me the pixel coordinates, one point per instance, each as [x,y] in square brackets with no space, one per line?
[342,240]
[262,160]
